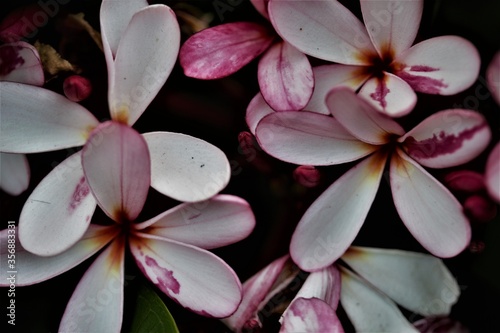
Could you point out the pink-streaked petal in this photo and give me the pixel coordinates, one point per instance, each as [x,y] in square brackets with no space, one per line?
[443,65]
[224,49]
[117,168]
[308,138]
[392,25]
[368,309]
[186,168]
[492,173]
[14,173]
[390,95]
[97,302]
[430,212]
[332,222]
[327,77]
[310,315]
[285,77]
[219,221]
[145,57]
[419,282]
[493,77]
[38,120]
[20,62]
[359,118]
[58,212]
[447,138]
[322,29]
[324,284]
[256,110]
[195,278]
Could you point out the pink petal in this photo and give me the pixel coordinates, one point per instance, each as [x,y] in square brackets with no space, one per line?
[196,278]
[310,315]
[392,25]
[447,138]
[429,211]
[14,173]
[390,95]
[33,269]
[220,221]
[117,167]
[20,62]
[186,168]
[37,120]
[322,29]
[256,110]
[97,302]
[493,77]
[464,181]
[58,212]
[224,49]
[332,222]
[285,77]
[443,65]
[359,118]
[492,174]
[324,284]
[145,57]
[261,6]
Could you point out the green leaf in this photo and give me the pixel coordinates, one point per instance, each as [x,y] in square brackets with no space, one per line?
[151,315]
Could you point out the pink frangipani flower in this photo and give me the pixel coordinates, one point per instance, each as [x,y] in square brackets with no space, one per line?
[430,212]
[380,50]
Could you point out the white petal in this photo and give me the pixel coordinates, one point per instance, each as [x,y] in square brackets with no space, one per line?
[14,173]
[256,110]
[21,63]
[492,173]
[493,77]
[324,284]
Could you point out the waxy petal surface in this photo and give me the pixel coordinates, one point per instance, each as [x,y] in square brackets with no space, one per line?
[186,168]
[430,212]
[256,110]
[20,62]
[14,173]
[310,315]
[324,284]
[58,212]
[38,120]
[492,173]
[493,77]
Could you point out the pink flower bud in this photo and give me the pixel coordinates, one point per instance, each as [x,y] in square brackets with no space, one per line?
[246,141]
[23,22]
[480,208]
[464,181]
[77,88]
[307,175]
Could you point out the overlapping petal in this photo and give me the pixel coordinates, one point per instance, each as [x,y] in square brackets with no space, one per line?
[492,174]
[310,315]
[20,62]
[256,110]
[14,173]
[324,284]
[261,6]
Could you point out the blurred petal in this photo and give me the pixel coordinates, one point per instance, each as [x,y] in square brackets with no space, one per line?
[332,222]
[20,62]
[220,221]
[322,29]
[419,282]
[37,120]
[464,181]
[117,168]
[309,138]
[447,138]
[439,324]
[261,6]
[368,309]
[144,59]
[186,168]
[429,211]
[224,49]
[97,302]
[256,110]
[493,77]
[310,315]
[492,174]
[14,173]
[324,284]
[58,212]
[443,65]
[285,77]
[196,278]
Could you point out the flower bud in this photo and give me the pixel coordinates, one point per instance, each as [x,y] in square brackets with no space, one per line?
[480,208]
[77,88]
[307,175]
[464,181]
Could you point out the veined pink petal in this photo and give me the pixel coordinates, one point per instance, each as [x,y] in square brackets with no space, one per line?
[20,62]
[390,95]
[310,315]
[186,168]
[492,174]
[493,77]
[256,110]
[14,173]
[196,278]
[261,6]
[322,29]
[145,57]
[308,138]
[36,269]
[447,138]
[224,49]
[38,120]
[419,282]
[58,212]
[368,309]
[117,167]
[429,211]
[332,222]
[285,77]
[443,65]
[97,302]
[392,25]
[360,119]
[324,284]
[219,221]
